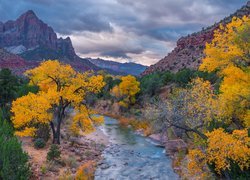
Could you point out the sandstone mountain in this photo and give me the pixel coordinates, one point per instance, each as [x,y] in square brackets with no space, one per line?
[189,50]
[30,40]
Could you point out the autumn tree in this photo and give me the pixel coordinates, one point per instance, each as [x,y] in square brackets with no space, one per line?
[228,54]
[60,87]
[223,151]
[191,109]
[126,90]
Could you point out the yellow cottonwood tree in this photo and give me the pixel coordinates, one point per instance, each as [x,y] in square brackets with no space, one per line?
[60,87]
[229,55]
[222,149]
[126,90]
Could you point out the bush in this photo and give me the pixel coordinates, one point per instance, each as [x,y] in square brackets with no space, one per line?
[167,77]
[54,153]
[71,162]
[43,169]
[183,77]
[39,143]
[151,84]
[13,160]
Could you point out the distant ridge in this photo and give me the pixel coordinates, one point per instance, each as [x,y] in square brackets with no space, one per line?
[124,68]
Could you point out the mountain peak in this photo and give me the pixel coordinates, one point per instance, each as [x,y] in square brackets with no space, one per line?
[29,13]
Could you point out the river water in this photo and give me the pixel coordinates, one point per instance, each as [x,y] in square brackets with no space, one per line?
[132,156]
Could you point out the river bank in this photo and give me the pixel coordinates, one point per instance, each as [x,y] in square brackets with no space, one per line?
[75,151]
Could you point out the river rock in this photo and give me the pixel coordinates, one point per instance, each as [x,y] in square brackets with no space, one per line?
[104,166]
[159,137]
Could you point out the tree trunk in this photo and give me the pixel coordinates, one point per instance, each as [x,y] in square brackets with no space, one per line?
[58,130]
[60,114]
[53,131]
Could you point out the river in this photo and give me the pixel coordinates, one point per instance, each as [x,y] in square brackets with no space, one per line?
[132,156]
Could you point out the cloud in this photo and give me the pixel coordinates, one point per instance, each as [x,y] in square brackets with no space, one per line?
[124,30]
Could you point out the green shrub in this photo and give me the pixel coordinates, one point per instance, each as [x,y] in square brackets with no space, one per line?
[43,169]
[39,143]
[183,77]
[13,160]
[54,153]
[8,86]
[151,84]
[167,77]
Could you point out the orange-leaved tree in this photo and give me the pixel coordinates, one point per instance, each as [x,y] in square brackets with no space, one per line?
[223,150]
[126,90]
[229,55]
[60,87]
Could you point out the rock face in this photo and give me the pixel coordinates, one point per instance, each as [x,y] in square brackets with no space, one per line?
[33,41]
[31,33]
[189,50]
[28,31]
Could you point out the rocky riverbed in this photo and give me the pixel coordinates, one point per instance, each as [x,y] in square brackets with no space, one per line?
[132,156]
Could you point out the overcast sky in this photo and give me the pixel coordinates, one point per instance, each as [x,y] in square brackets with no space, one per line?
[142,31]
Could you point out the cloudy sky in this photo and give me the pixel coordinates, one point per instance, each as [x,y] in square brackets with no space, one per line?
[141,31]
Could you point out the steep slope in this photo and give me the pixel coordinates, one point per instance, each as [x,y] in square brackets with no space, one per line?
[14,62]
[189,50]
[33,40]
[124,68]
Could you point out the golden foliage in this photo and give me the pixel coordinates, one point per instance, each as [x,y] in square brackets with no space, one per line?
[60,86]
[222,149]
[197,163]
[98,120]
[230,46]
[228,53]
[86,171]
[126,90]
[30,108]
[136,124]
